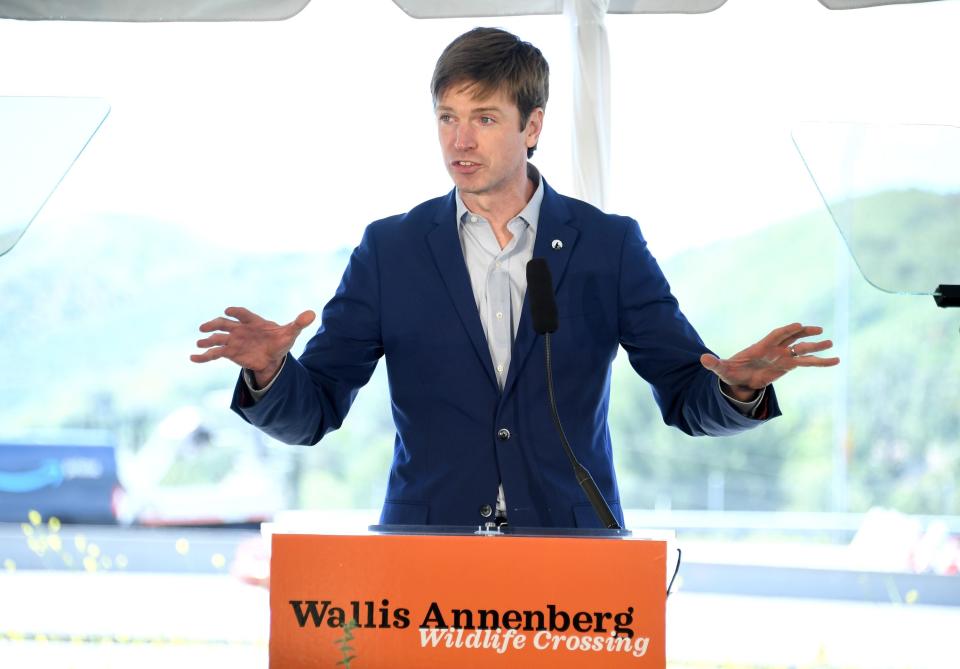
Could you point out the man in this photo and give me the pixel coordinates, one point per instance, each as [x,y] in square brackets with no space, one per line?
[439,292]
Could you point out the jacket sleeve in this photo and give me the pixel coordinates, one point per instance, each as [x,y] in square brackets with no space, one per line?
[313,394]
[665,349]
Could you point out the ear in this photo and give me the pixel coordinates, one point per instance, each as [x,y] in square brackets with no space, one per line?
[533,127]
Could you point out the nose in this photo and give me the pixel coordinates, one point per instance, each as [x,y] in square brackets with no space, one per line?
[465,138]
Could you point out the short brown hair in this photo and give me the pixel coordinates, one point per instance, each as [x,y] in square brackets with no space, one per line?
[490,59]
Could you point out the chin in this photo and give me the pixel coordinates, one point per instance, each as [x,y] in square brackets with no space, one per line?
[466,185]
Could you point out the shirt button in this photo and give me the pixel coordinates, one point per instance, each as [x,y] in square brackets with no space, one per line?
[503,434]
[500,368]
[500,315]
[473,219]
[486,510]
[498,263]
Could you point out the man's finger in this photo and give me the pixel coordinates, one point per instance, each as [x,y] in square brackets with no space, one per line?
[814,361]
[806,348]
[808,331]
[304,319]
[213,340]
[790,333]
[709,361]
[219,323]
[241,314]
[777,335]
[207,356]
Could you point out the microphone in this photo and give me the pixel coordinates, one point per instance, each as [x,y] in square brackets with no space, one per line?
[543,309]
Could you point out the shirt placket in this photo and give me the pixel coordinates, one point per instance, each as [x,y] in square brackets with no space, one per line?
[498,315]
[500,303]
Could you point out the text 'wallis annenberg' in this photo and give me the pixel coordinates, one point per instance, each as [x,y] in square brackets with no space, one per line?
[549,628]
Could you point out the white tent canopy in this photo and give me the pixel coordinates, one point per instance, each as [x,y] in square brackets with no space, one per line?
[271,10]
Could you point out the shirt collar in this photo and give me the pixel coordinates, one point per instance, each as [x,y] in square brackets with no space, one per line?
[530,213]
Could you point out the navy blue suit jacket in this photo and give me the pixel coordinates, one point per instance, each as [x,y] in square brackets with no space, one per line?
[406,295]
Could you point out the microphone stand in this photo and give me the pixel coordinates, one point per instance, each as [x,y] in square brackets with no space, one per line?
[586,481]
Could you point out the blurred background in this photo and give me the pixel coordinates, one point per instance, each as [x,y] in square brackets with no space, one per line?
[238,163]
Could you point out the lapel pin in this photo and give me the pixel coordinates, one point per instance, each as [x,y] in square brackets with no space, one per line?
[556,244]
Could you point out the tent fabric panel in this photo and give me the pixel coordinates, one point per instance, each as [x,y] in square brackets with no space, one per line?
[436,9]
[432,9]
[145,11]
[860,4]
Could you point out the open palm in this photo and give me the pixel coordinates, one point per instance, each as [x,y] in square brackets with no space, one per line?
[250,341]
[761,364]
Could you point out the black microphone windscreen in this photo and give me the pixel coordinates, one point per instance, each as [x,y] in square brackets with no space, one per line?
[543,306]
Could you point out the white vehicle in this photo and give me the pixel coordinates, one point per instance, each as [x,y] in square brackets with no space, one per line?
[202,467]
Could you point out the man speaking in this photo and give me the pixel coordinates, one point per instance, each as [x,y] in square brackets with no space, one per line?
[439,293]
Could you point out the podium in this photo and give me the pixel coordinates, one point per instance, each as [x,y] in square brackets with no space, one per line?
[423,597]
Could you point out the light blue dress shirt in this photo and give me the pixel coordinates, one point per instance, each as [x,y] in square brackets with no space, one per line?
[499,276]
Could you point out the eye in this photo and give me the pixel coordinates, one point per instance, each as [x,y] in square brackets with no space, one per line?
[487,120]
[445,118]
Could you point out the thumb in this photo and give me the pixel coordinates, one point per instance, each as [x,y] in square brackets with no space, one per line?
[304,319]
[710,361]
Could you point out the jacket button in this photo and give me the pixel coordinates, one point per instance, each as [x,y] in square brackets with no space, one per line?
[503,434]
[486,510]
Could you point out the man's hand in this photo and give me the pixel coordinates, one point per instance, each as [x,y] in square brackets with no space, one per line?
[251,341]
[758,366]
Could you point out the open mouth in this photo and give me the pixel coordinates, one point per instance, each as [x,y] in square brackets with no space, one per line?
[465,166]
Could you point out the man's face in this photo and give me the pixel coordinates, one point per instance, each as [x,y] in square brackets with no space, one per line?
[483,146]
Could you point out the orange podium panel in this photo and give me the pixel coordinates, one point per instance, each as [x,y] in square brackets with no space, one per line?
[420,601]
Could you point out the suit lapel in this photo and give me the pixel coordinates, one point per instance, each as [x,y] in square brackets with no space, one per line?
[555,224]
[444,241]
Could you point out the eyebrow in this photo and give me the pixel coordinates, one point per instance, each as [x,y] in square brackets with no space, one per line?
[476,110]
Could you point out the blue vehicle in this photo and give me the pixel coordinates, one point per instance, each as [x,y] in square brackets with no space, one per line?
[71,475]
